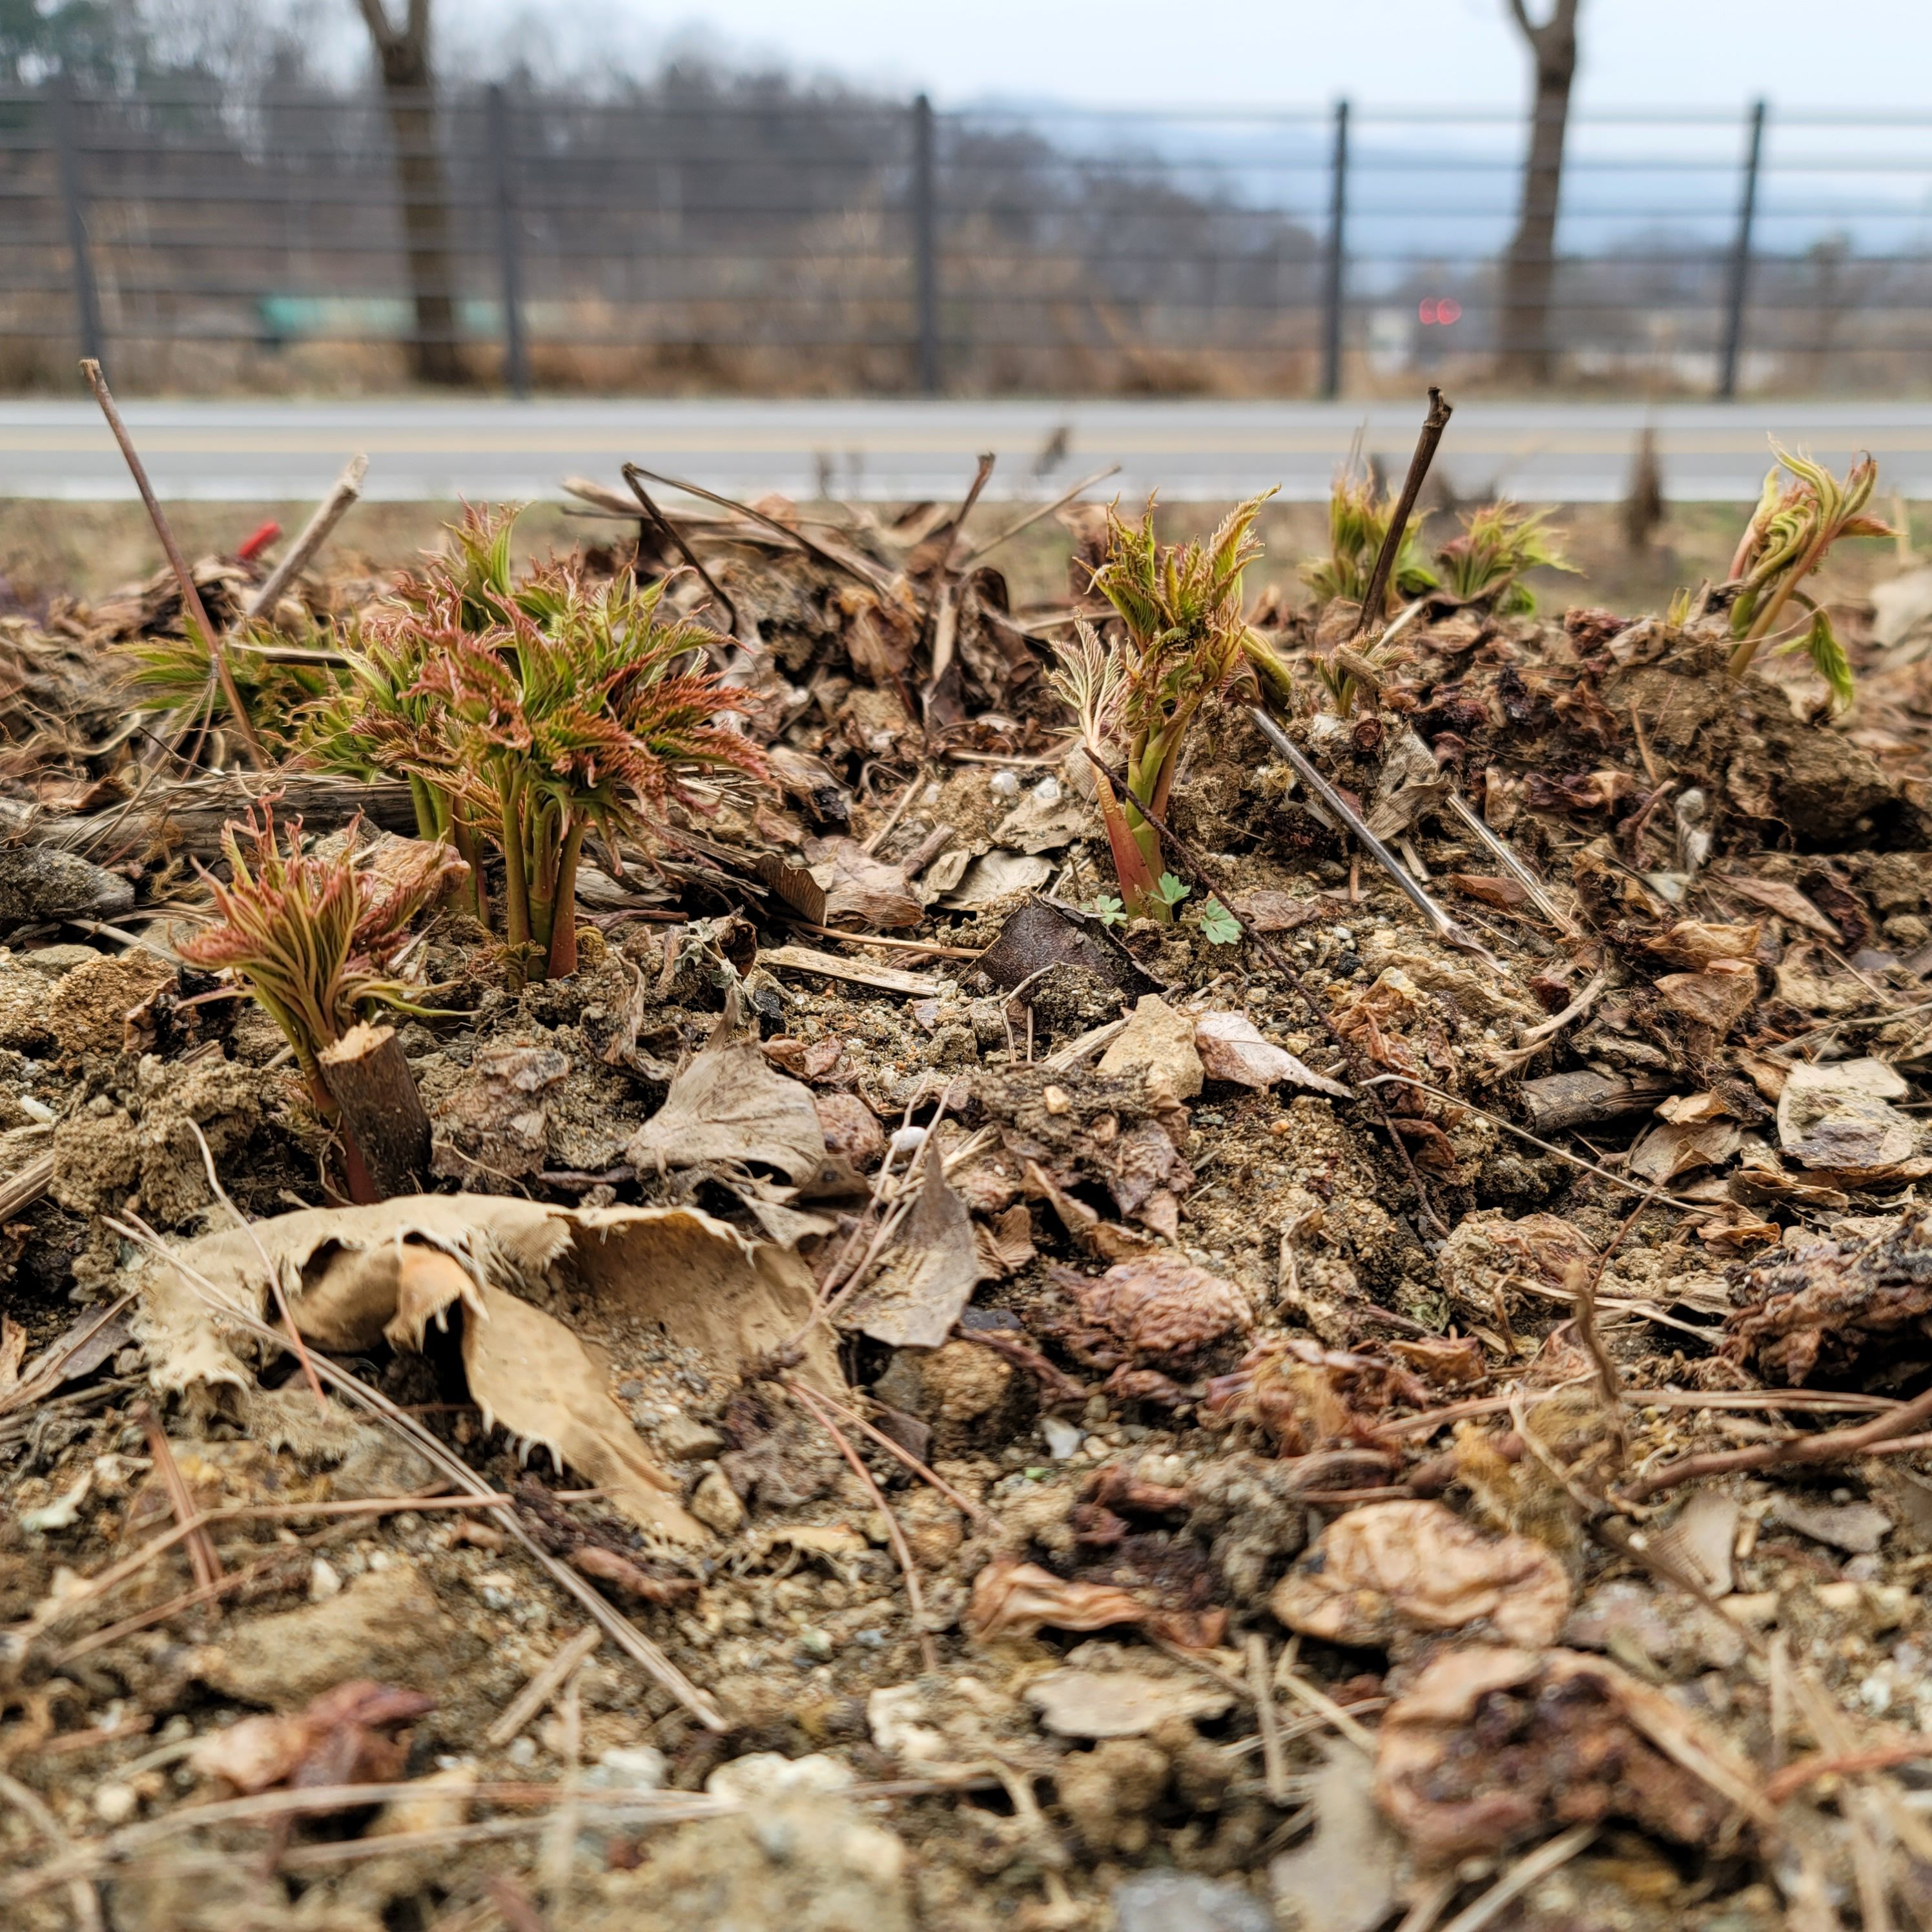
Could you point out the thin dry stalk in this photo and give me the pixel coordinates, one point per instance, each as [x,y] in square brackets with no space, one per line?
[342,497]
[544,1685]
[1427,441]
[192,607]
[978,1512]
[201,1554]
[559,1846]
[915,1597]
[1034,515]
[628,1638]
[1267,1714]
[1833,1445]
[80,1890]
[1451,931]
[1548,1857]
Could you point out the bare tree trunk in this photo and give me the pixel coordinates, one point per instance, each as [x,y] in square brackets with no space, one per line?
[1529,269]
[408,81]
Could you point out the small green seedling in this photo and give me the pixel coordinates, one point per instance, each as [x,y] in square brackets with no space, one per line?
[1219,926]
[1170,891]
[1109,910]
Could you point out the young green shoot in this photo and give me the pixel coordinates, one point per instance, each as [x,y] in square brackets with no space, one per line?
[1358,521]
[529,713]
[1794,526]
[1486,564]
[315,939]
[1179,637]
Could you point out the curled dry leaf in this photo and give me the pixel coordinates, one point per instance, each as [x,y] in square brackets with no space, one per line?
[1839,1116]
[1077,1703]
[730,1108]
[1717,997]
[1695,943]
[1387,1569]
[1786,902]
[1155,1308]
[1490,1746]
[1232,1048]
[1011,1598]
[929,1274]
[355,1277]
[347,1735]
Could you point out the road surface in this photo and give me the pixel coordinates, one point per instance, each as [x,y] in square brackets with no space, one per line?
[893,450]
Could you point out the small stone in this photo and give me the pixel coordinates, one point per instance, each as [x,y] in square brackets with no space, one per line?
[1158,1043]
[907,1141]
[114,1803]
[1056,1100]
[40,882]
[626,1767]
[683,1439]
[325,1580]
[1063,1438]
[1004,784]
[523,1751]
[715,1504]
[765,1774]
[1167,1901]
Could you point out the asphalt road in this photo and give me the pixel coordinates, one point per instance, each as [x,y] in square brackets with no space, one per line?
[890,451]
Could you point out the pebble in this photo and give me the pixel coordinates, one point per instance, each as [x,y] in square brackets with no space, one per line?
[1063,1438]
[907,1141]
[1166,1901]
[715,1504]
[1048,790]
[114,1803]
[325,1580]
[522,1751]
[1004,784]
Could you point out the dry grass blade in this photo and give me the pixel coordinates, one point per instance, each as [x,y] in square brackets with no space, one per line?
[901,1549]
[200,1546]
[1547,1857]
[543,1686]
[80,1889]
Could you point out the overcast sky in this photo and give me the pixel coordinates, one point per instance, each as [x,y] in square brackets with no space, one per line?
[1292,53]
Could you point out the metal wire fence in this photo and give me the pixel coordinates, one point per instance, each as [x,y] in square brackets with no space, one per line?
[791,243]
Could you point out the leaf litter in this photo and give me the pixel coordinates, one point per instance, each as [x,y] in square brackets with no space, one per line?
[964,1361]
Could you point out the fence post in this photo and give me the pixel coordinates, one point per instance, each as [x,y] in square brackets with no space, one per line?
[502,127]
[1741,253]
[925,246]
[1336,266]
[63,109]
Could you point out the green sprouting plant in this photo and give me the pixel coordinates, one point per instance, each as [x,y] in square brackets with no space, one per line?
[1180,636]
[274,679]
[1219,926]
[1795,525]
[314,938]
[1359,517]
[1109,910]
[1498,543]
[526,714]
[1170,891]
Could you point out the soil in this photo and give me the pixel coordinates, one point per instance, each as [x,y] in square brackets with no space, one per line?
[1173,1660]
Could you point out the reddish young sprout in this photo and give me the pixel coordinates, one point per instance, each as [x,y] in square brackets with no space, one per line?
[536,711]
[314,938]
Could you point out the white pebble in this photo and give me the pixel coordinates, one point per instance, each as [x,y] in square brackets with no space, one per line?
[1064,1439]
[907,1141]
[37,1110]
[114,1803]
[324,1580]
[1003,785]
[1048,790]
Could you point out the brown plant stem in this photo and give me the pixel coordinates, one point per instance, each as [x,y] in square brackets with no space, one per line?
[563,907]
[1832,1445]
[192,607]
[1426,443]
[383,1114]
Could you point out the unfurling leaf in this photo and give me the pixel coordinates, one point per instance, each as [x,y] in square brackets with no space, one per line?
[1820,644]
[1219,926]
